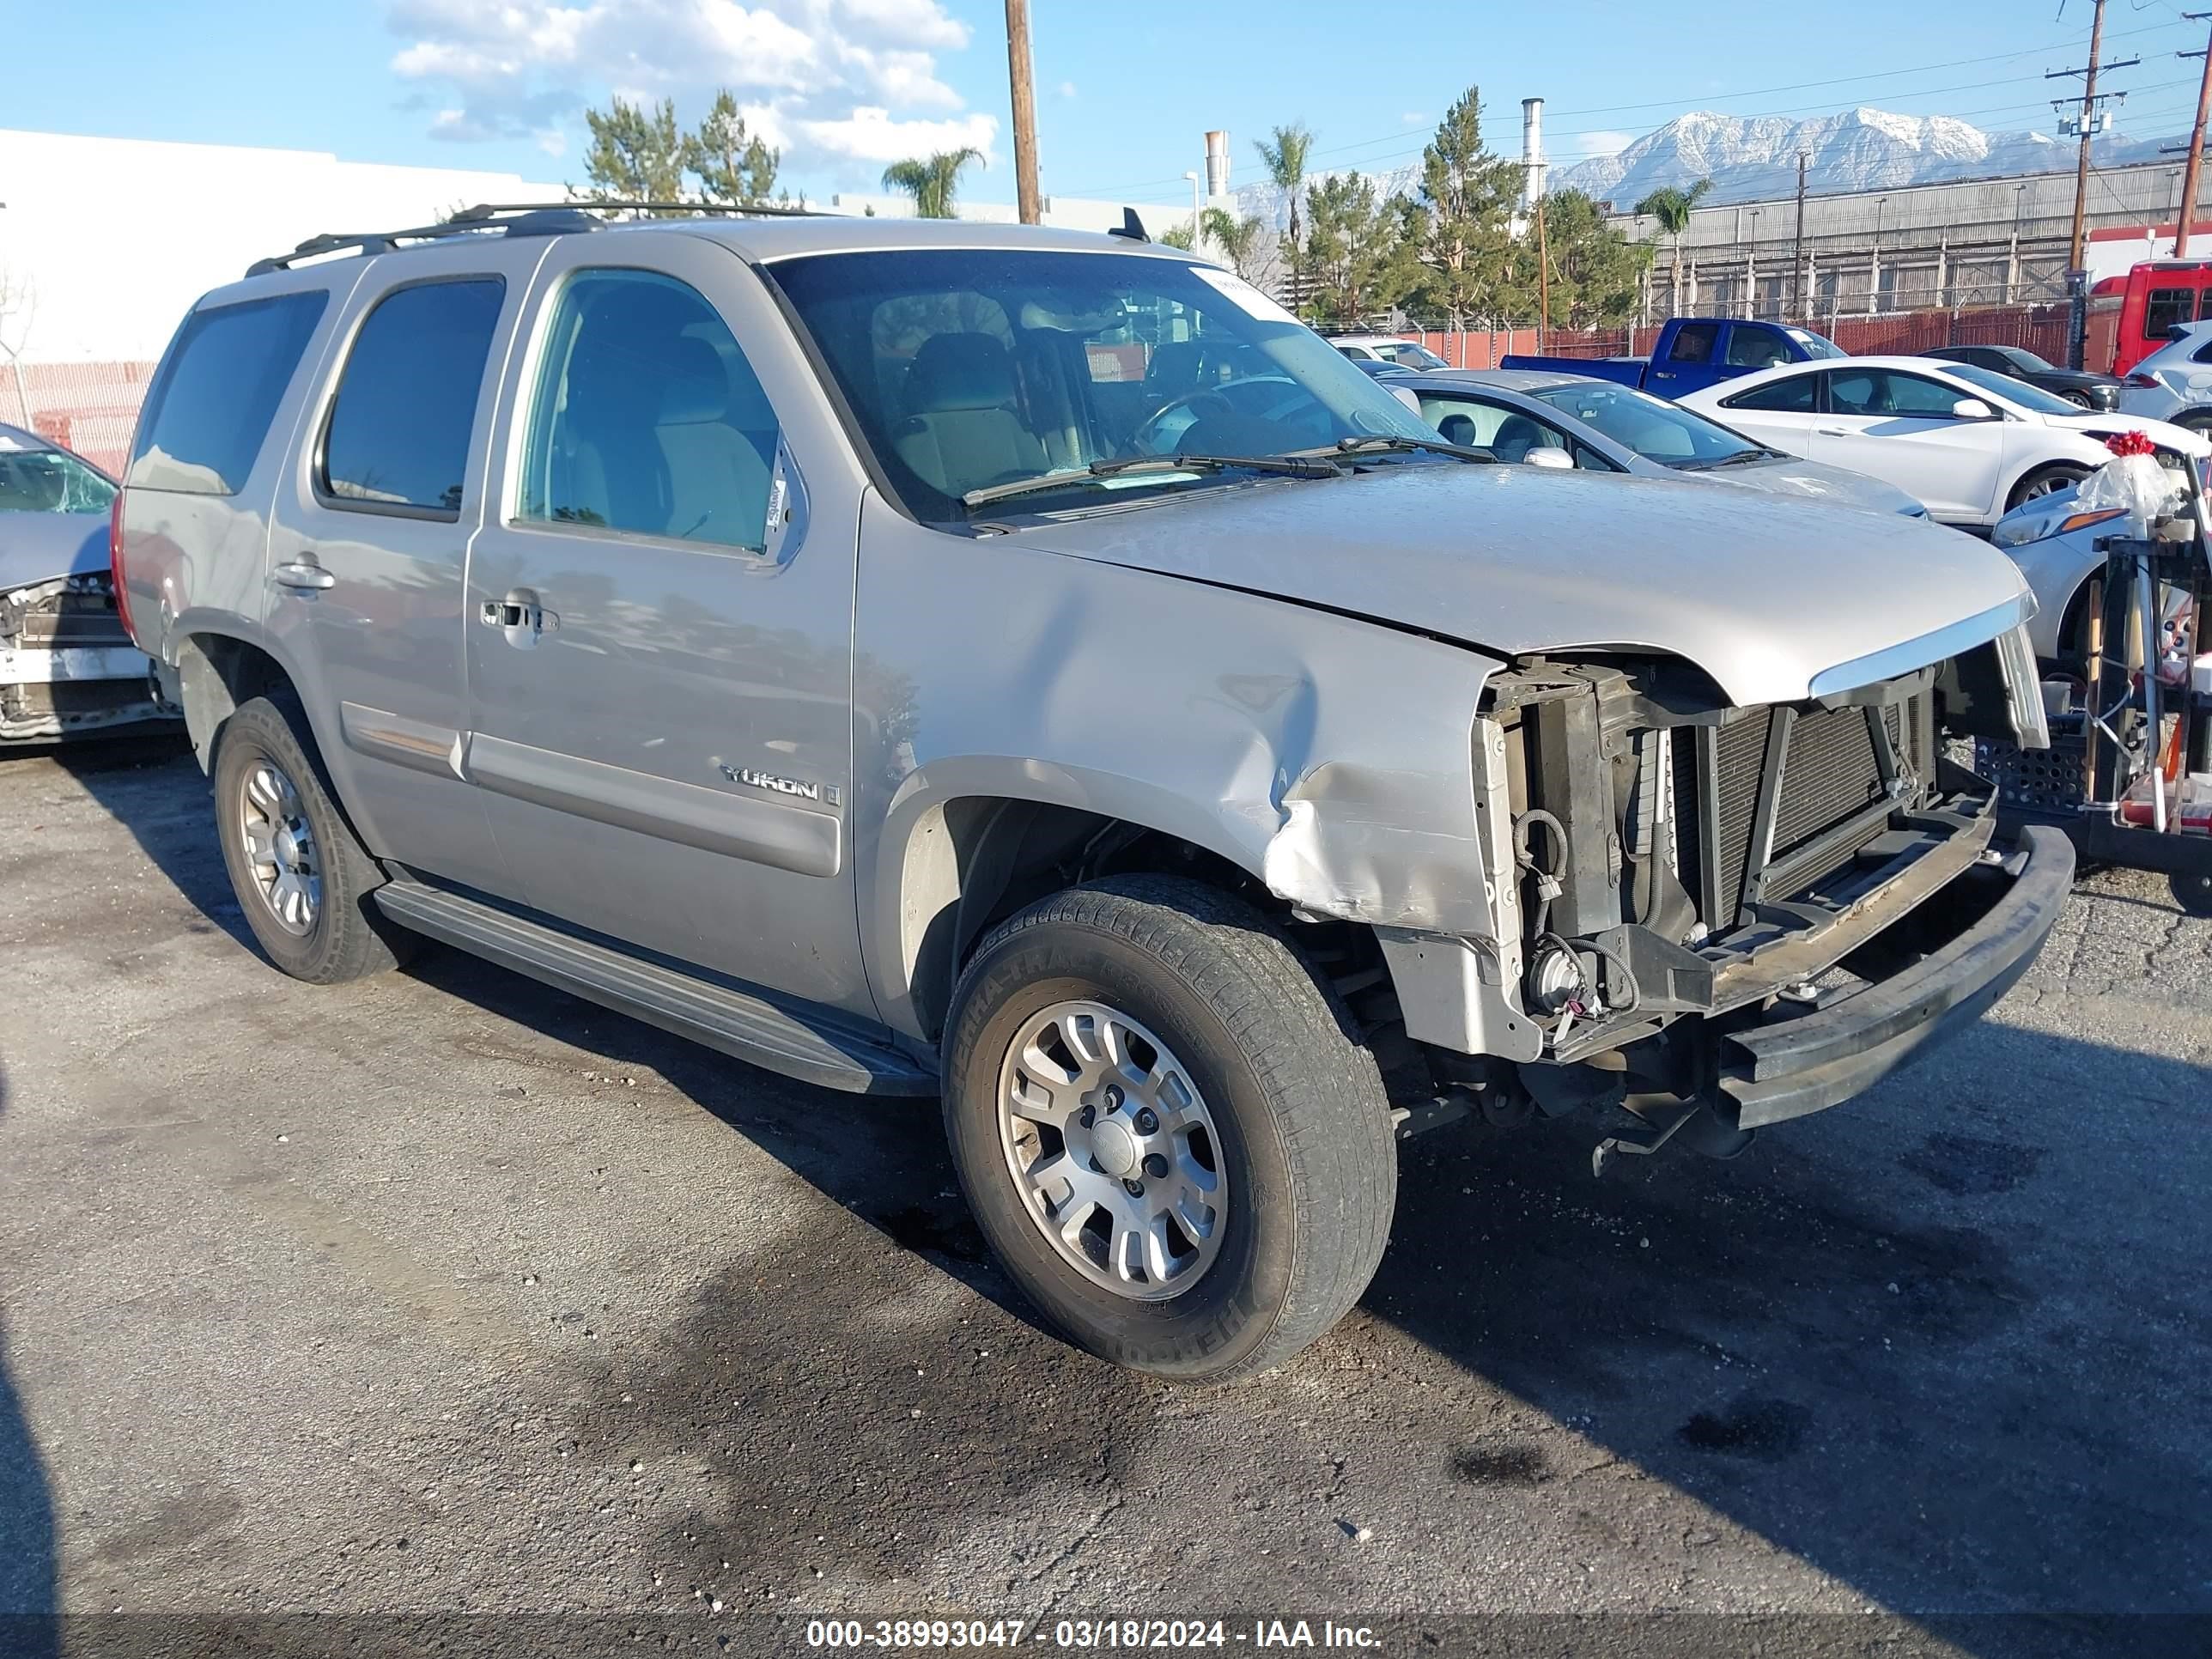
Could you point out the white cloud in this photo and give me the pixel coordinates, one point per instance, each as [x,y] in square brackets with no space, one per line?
[837,83]
[1413,118]
[1601,143]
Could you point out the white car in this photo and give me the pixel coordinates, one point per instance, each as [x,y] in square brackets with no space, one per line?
[1386,349]
[1971,443]
[2174,383]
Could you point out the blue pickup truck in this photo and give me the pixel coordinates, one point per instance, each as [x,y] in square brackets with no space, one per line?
[1693,352]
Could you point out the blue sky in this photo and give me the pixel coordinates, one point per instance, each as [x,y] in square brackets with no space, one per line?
[1124,90]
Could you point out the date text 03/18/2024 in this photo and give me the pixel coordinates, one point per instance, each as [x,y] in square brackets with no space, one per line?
[1109,1634]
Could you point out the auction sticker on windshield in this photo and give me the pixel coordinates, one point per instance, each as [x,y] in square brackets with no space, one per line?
[1247,299]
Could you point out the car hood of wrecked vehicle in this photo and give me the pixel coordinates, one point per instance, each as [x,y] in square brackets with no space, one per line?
[1777,599]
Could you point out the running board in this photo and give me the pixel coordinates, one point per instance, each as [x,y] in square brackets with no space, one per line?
[747,1027]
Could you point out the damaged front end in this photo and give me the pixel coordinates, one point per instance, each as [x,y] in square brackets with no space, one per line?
[67,667]
[1720,917]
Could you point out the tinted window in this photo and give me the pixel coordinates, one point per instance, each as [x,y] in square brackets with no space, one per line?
[1500,429]
[1884,392]
[646,416]
[1693,343]
[1653,428]
[399,428]
[1792,391]
[1754,347]
[218,388]
[2166,308]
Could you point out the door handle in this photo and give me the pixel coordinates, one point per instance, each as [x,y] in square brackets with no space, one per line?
[304,574]
[520,617]
[1833,431]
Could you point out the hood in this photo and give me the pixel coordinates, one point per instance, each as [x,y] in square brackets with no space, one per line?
[1816,481]
[37,547]
[2100,424]
[1777,599]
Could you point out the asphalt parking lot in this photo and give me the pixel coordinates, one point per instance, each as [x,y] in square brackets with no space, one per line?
[444,1294]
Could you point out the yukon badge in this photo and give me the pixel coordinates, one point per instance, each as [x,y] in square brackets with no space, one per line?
[797,788]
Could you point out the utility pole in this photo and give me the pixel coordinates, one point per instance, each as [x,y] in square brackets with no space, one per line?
[1797,259]
[1018,73]
[2196,143]
[2077,276]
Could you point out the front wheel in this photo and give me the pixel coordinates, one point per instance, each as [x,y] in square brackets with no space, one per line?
[2193,893]
[1167,1128]
[2046,481]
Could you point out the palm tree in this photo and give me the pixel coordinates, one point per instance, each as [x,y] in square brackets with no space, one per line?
[1236,238]
[1671,208]
[1283,152]
[933,183]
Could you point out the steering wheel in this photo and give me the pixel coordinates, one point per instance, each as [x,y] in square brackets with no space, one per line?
[1265,407]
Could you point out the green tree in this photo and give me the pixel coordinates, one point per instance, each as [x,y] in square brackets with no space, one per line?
[734,167]
[1595,271]
[1360,247]
[1671,208]
[1470,195]
[637,154]
[1239,239]
[1179,237]
[933,182]
[1283,152]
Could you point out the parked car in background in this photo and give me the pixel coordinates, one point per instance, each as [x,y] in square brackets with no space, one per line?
[2174,383]
[781,631]
[1970,442]
[1607,428]
[2053,539]
[1386,349]
[67,667]
[1692,352]
[2083,388]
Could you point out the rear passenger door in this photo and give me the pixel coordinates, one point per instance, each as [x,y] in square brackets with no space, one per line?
[660,622]
[369,542]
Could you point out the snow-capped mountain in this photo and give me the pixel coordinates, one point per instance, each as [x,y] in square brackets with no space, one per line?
[1750,157]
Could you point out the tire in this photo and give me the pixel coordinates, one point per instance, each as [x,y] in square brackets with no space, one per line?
[320,925]
[2081,400]
[2043,480]
[1298,1125]
[2199,421]
[2193,893]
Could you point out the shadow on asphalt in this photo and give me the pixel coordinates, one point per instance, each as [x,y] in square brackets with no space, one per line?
[1852,1363]
[28,1573]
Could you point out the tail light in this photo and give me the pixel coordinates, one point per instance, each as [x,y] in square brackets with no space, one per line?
[115,572]
[2148,382]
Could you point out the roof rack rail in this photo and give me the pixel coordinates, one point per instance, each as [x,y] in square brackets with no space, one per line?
[503,218]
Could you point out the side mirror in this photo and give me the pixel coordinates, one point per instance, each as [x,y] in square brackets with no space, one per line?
[1407,396]
[1972,408]
[1552,460]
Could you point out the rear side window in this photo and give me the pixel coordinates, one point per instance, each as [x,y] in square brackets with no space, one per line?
[399,433]
[2166,308]
[1793,392]
[218,389]
[1754,347]
[646,418]
[1693,343]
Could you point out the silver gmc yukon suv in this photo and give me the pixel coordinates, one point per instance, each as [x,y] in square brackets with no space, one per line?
[1030,668]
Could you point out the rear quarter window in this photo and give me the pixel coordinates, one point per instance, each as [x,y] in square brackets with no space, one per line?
[218,388]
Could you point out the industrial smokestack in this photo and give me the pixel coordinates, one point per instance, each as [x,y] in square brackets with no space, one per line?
[1533,164]
[1217,164]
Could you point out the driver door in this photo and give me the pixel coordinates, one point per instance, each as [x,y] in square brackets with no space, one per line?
[1899,428]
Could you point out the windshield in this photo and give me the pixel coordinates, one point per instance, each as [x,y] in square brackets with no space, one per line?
[968,368]
[2016,393]
[48,481]
[2021,357]
[1816,345]
[1654,428]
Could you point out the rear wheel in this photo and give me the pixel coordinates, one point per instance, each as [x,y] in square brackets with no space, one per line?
[2199,421]
[1167,1128]
[303,878]
[2046,481]
[2079,399]
[2193,893]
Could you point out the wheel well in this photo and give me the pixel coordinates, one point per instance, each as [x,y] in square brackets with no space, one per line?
[974,861]
[217,673]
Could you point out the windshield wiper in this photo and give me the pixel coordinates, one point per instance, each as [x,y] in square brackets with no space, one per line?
[1379,446]
[1293,466]
[1734,458]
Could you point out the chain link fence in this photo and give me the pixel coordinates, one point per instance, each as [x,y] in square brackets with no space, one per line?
[90,408]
